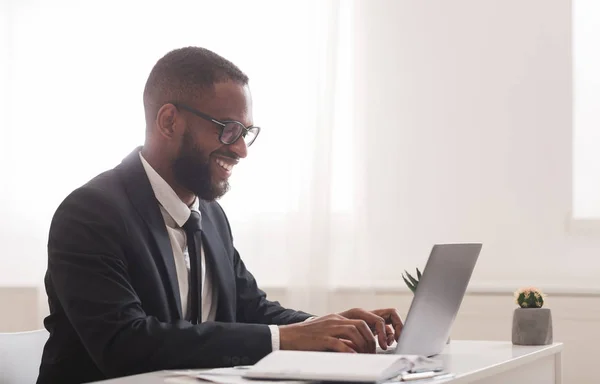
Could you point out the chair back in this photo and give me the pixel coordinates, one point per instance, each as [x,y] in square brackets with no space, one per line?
[20,356]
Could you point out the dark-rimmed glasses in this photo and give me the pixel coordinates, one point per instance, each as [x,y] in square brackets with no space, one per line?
[230,130]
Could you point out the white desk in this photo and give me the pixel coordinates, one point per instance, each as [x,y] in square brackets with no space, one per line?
[481,362]
[495,362]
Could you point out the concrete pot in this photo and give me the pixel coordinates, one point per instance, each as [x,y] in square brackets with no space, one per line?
[532,326]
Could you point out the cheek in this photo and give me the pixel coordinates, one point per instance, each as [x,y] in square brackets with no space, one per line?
[208,143]
[201,147]
[215,150]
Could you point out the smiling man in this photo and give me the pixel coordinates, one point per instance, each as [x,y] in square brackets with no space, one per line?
[142,271]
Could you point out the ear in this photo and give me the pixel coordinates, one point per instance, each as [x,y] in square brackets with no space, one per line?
[167,120]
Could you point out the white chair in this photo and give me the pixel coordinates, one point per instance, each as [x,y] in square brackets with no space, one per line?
[20,356]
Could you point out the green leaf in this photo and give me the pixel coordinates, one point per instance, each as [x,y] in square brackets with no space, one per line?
[412,279]
[522,301]
[418,274]
[408,284]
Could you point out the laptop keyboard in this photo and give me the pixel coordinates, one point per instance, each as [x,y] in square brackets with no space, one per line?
[388,351]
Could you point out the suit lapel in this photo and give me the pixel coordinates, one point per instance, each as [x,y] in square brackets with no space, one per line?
[143,199]
[221,267]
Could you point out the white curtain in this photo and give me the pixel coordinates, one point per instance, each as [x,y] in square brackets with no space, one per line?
[72,77]
[388,126]
[586,92]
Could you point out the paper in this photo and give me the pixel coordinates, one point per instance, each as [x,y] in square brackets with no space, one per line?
[331,366]
[240,380]
[219,376]
[181,380]
[297,367]
[234,371]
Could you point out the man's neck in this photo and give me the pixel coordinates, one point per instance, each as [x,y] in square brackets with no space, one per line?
[164,170]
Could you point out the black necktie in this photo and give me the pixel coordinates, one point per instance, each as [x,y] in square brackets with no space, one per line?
[193,231]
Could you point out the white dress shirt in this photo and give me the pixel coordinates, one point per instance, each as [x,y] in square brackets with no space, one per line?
[175,213]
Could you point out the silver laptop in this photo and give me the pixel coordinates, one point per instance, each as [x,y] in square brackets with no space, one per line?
[437,299]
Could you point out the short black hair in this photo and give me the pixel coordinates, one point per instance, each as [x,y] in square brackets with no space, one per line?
[183,75]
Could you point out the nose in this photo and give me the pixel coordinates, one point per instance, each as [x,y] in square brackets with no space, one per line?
[239,148]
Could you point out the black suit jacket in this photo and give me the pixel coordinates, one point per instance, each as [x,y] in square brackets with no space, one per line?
[114,300]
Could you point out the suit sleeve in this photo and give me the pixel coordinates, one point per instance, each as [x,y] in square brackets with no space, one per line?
[89,275]
[252,303]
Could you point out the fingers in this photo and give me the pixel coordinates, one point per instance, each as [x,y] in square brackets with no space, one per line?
[350,344]
[333,316]
[355,331]
[366,333]
[376,323]
[339,345]
[389,334]
[334,332]
[381,333]
[351,332]
[379,329]
[396,323]
[349,314]
[392,317]
[385,323]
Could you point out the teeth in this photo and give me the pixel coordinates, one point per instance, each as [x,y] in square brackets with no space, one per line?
[223,164]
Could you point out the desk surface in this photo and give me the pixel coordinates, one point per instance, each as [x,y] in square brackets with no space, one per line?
[470,361]
[475,360]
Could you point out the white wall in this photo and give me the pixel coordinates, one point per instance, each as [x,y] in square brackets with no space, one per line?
[22,250]
[586,114]
[476,98]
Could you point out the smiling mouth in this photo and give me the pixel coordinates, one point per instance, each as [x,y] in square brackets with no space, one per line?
[226,166]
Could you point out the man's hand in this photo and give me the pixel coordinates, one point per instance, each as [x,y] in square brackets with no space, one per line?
[328,333]
[385,323]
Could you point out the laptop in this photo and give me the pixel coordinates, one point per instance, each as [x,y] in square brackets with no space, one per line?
[437,300]
[426,329]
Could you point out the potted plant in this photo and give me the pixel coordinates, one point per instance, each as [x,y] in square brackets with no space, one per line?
[532,324]
[412,283]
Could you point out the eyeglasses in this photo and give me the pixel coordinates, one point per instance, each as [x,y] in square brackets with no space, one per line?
[230,130]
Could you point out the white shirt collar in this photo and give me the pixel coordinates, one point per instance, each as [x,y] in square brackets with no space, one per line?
[167,197]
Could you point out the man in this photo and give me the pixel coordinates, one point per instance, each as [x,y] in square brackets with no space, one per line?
[142,272]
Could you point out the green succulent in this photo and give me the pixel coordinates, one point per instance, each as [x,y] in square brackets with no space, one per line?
[412,282]
[529,298]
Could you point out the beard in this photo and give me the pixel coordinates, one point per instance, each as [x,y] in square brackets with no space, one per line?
[192,171]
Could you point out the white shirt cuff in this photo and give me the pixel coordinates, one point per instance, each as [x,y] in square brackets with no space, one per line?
[274,337]
[275,343]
